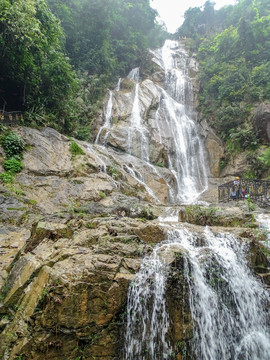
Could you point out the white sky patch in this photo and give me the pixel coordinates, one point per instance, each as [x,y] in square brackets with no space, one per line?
[172,12]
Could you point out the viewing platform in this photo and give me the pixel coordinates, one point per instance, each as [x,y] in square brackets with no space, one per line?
[10,117]
[257,191]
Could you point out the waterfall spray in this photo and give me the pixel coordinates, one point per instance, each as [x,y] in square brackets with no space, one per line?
[227,303]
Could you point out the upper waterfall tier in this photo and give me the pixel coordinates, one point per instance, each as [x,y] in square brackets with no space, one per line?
[155,120]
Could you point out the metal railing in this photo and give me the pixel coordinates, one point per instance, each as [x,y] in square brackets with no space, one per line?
[256,190]
[12,117]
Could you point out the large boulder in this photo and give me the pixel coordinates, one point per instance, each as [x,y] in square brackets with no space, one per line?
[49,151]
[236,166]
[214,147]
[261,121]
[67,294]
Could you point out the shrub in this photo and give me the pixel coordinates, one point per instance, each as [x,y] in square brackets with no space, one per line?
[265,157]
[222,164]
[198,215]
[159,164]
[112,170]
[75,149]
[13,166]
[102,194]
[146,214]
[13,145]
[6,178]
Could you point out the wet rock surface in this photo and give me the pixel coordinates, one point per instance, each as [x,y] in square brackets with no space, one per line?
[261,120]
[74,230]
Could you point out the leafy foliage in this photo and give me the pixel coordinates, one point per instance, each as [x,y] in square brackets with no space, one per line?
[104,39]
[199,215]
[32,60]
[13,166]
[107,37]
[75,149]
[7,178]
[265,157]
[13,145]
[233,47]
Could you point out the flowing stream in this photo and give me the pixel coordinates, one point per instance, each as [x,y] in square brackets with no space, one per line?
[107,123]
[175,122]
[174,125]
[227,303]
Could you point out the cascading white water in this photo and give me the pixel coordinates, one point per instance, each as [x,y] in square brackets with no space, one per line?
[118,86]
[137,133]
[108,119]
[177,130]
[264,221]
[139,178]
[175,125]
[108,116]
[147,318]
[134,74]
[227,303]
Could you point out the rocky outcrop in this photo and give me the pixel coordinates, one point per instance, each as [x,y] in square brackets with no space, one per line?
[65,295]
[214,147]
[65,274]
[155,131]
[236,166]
[57,180]
[75,228]
[72,235]
[232,216]
[261,121]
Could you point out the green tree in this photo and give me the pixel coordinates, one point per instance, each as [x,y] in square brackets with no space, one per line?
[33,66]
[235,71]
[105,39]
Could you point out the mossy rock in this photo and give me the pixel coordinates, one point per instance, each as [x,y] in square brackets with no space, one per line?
[211,216]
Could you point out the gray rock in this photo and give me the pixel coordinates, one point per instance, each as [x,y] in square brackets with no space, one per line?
[261,121]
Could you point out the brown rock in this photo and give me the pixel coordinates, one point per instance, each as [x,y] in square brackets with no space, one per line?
[214,147]
[151,233]
[261,121]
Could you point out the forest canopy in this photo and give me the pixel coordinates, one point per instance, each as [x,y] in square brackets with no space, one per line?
[59,56]
[233,49]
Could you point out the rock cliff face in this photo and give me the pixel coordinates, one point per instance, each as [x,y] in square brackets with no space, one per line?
[261,121]
[71,239]
[157,133]
[74,231]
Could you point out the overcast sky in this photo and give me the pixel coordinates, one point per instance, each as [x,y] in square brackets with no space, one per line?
[172,11]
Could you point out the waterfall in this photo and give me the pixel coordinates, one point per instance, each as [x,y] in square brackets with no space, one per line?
[227,303]
[118,86]
[108,119]
[134,74]
[108,116]
[137,131]
[264,221]
[147,318]
[175,125]
[169,136]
